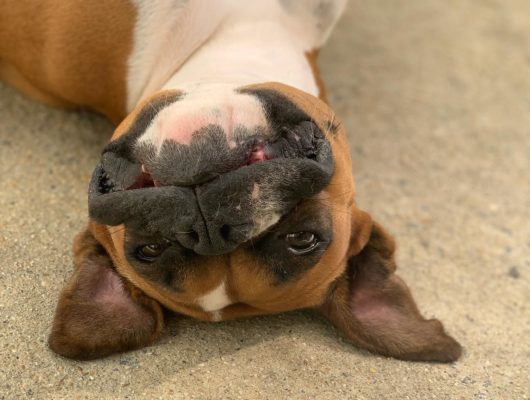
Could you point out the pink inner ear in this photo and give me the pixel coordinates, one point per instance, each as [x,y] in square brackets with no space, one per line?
[371,306]
[379,300]
[111,292]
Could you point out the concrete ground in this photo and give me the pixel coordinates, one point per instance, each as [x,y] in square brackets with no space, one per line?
[435,96]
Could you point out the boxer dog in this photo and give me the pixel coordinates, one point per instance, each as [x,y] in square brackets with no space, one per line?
[226,190]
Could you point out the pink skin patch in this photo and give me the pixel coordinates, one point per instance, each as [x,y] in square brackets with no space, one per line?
[182,131]
[222,106]
[181,125]
[369,306]
[110,290]
[144,180]
[258,154]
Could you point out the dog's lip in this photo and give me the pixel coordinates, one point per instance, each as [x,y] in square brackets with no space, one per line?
[258,153]
[144,180]
[135,166]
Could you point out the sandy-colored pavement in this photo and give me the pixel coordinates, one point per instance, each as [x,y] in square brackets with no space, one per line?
[435,96]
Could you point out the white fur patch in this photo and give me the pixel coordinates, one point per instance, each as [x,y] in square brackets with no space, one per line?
[179,42]
[165,35]
[215,300]
[217,104]
[216,315]
[314,19]
[246,52]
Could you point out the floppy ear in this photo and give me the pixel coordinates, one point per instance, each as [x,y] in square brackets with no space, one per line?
[374,308]
[99,312]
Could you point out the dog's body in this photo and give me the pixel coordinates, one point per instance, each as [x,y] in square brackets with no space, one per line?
[226,190]
[110,57]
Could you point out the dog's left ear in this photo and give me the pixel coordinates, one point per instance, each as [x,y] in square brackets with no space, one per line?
[99,312]
[374,308]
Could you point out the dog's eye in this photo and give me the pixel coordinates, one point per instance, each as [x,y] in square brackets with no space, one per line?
[150,252]
[300,243]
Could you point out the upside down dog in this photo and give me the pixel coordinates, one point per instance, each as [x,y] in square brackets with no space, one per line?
[226,189]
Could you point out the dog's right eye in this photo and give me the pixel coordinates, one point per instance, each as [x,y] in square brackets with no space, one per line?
[150,252]
[301,243]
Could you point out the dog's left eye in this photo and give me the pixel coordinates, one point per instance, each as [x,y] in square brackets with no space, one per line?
[150,252]
[300,243]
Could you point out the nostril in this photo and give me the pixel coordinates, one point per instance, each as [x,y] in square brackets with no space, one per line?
[235,233]
[193,236]
[105,184]
[225,232]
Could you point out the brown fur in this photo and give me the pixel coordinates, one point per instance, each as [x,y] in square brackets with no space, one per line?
[68,53]
[312,57]
[353,279]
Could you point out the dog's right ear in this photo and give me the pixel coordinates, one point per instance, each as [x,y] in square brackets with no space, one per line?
[374,308]
[99,312]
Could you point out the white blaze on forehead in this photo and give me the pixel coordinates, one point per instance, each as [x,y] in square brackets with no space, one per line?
[219,105]
[215,300]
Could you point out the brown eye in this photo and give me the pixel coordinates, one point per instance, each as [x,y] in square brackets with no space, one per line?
[150,252]
[300,243]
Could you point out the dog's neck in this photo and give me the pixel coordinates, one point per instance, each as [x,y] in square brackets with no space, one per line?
[183,48]
[248,53]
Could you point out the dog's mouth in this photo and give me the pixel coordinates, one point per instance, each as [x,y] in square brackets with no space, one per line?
[208,156]
[258,152]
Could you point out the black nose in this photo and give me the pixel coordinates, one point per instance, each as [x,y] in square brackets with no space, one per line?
[214,238]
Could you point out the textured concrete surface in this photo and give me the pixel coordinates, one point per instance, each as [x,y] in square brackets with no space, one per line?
[436,98]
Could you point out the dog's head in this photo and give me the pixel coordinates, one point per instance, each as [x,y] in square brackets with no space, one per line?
[249,188]
[222,202]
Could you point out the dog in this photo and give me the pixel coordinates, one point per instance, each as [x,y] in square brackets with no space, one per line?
[226,190]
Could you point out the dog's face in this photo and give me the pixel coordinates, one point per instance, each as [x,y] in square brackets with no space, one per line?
[222,202]
[228,201]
